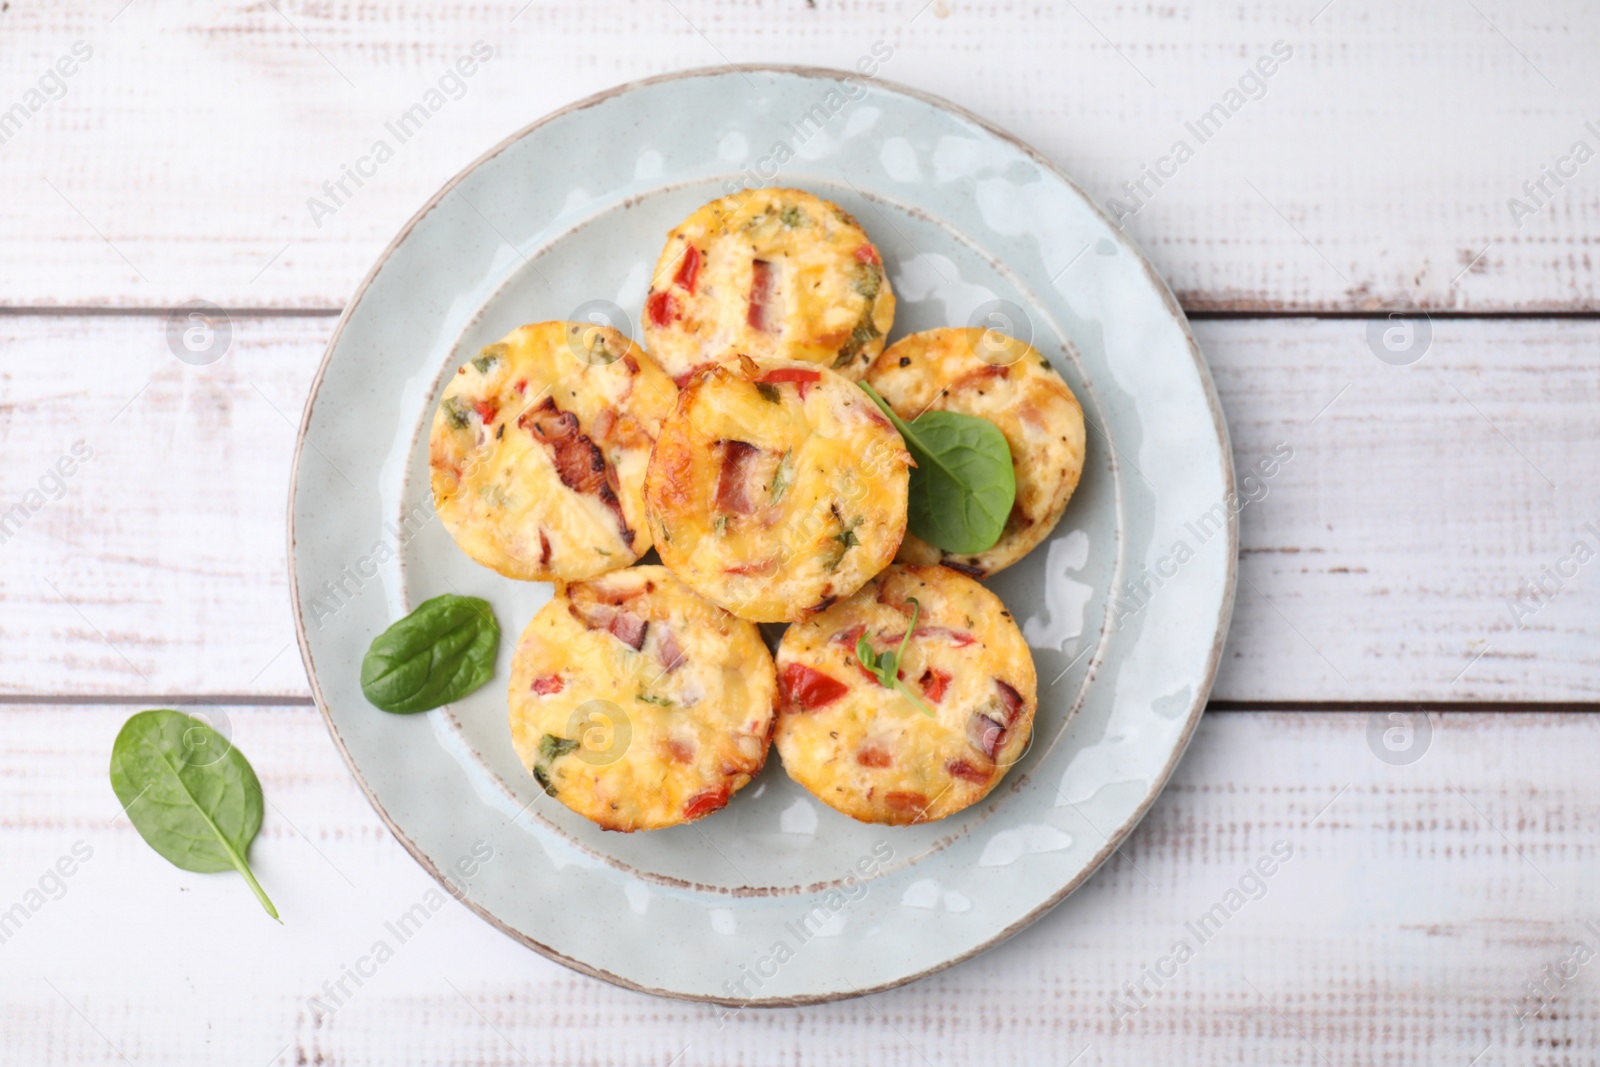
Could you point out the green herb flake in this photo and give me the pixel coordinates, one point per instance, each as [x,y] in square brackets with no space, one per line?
[485,361]
[865,332]
[792,217]
[885,666]
[192,796]
[964,484]
[783,477]
[455,412]
[769,392]
[552,747]
[651,699]
[541,776]
[843,541]
[869,279]
[597,352]
[439,653]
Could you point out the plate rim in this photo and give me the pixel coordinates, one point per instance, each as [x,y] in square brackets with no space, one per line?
[1202,691]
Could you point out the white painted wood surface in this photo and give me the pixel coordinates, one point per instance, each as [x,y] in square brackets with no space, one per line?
[1373,170]
[1374,173]
[1377,567]
[1418,901]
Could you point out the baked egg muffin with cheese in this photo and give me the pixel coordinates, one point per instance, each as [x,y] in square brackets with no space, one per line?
[539,448]
[958,711]
[776,489]
[986,373]
[638,704]
[772,273]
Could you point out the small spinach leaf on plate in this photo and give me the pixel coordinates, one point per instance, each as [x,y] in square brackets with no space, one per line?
[963,485]
[439,653]
[192,796]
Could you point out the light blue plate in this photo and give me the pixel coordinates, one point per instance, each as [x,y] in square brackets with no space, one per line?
[777,899]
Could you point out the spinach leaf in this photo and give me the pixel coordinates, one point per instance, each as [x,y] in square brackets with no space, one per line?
[885,666]
[439,653]
[191,795]
[963,485]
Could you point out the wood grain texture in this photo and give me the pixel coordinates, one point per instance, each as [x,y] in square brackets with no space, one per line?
[1378,564]
[1396,557]
[1422,501]
[1415,903]
[1373,171]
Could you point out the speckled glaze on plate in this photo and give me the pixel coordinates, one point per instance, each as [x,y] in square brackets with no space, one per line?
[776,899]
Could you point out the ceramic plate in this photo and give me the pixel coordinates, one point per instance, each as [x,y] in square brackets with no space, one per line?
[776,899]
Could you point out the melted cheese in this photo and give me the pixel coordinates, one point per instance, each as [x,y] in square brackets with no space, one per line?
[772,273]
[996,377]
[869,751]
[539,448]
[637,738]
[773,498]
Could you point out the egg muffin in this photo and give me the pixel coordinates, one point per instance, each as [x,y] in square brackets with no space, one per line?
[773,273]
[776,488]
[638,704]
[539,447]
[980,372]
[960,713]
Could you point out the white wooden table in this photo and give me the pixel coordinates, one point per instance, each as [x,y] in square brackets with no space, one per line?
[1389,571]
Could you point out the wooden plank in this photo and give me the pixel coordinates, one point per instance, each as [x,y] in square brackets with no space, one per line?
[1416,901]
[1377,566]
[1319,194]
[159,567]
[1422,501]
